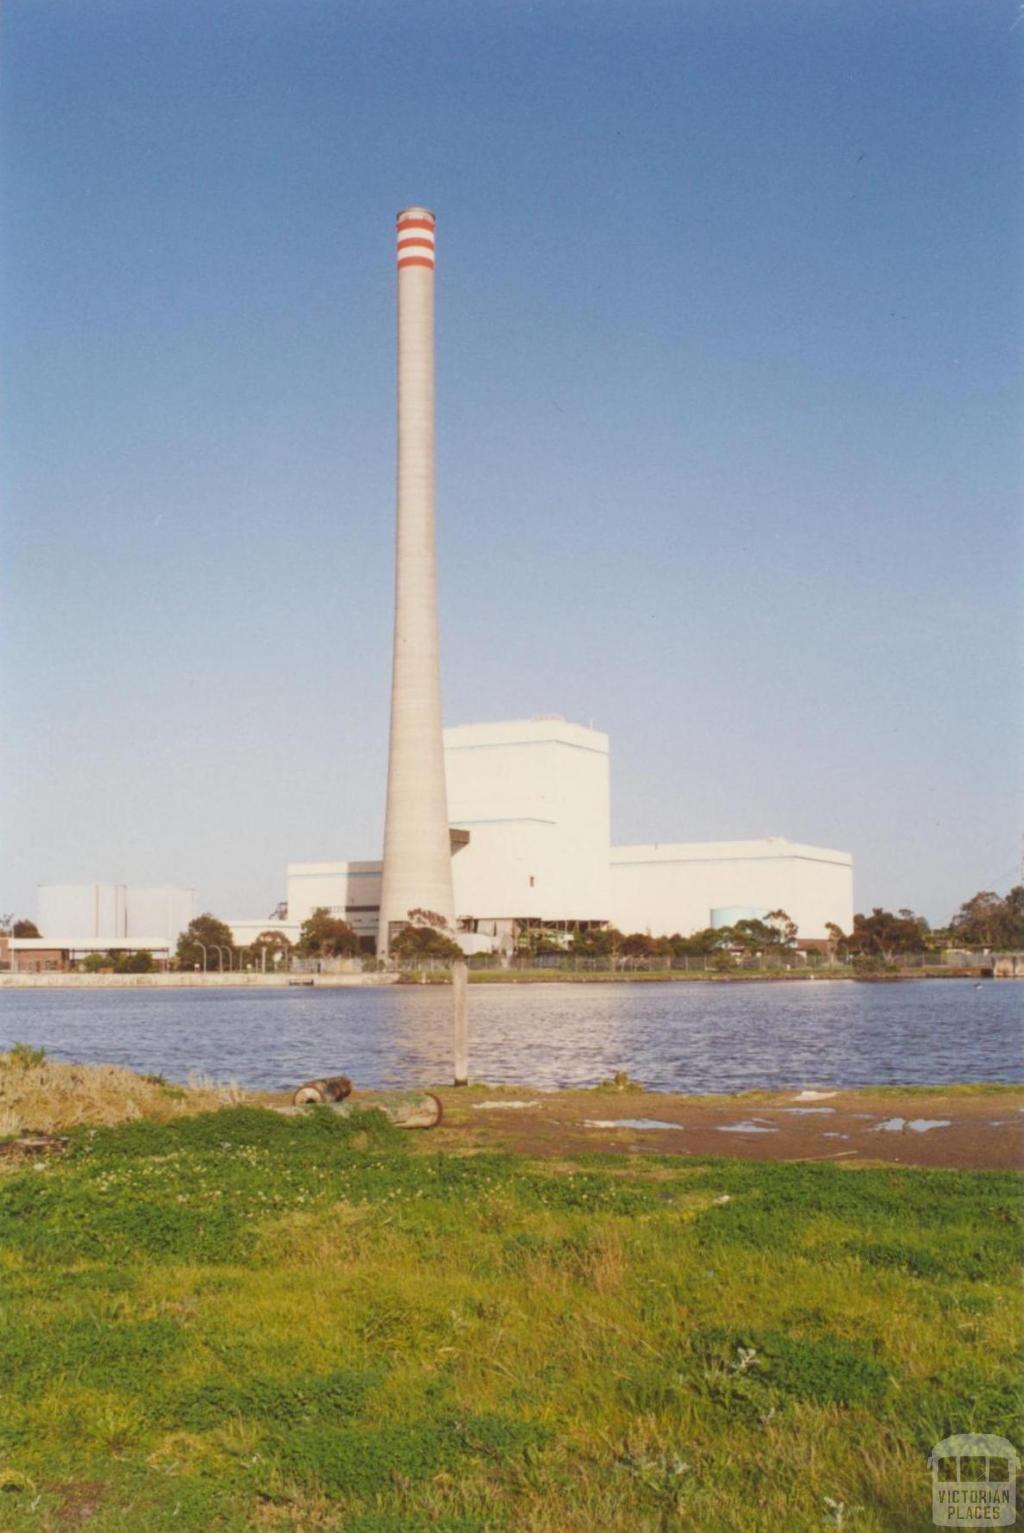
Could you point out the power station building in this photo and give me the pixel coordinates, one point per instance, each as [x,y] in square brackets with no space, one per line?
[79,919]
[530,815]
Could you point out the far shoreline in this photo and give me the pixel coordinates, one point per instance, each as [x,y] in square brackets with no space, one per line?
[235,981]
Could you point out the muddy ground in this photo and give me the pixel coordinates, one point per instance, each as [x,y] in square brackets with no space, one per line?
[961,1127]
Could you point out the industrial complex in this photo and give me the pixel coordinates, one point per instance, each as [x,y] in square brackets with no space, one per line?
[531,845]
[493,828]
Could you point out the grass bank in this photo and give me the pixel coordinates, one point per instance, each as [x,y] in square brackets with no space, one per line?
[237,1320]
[37,1093]
[683,976]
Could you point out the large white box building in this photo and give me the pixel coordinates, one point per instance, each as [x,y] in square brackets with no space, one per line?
[533,796]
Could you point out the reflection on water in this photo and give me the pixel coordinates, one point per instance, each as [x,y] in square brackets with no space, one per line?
[673,1037]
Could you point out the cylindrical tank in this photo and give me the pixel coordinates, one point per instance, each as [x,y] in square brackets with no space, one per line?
[728,915]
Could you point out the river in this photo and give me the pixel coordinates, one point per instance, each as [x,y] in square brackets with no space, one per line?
[688,1037]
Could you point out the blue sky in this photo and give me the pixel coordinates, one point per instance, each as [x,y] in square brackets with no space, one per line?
[729,401]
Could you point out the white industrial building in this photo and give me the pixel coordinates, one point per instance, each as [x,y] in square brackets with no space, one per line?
[692,885]
[532,796]
[76,920]
[114,913]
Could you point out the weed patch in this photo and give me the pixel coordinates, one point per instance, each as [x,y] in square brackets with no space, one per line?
[127,1357]
[286,1402]
[826,1369]
[363,1460]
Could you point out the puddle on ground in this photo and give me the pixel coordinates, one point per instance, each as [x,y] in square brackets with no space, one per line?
[806,1111]
[813,1096]
[501,1106]
[834,1135]
[916,1125]
[629,1123]
[746,1128]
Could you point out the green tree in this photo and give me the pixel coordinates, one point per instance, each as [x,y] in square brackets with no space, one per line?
[141,962]
[214,934]
[276,947]
[415,942]
[1014,929]
[25,928]
[885,935]
[426,936]
[784,931]
[837,940]
[598,942]
[322,935]
[97,963]
[753,935]
[988,920]
[420,917]
[698,944]
[639,945]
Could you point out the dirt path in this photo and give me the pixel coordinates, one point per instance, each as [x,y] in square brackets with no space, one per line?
[982,1130]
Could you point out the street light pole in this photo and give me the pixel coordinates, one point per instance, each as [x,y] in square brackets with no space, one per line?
[204,948]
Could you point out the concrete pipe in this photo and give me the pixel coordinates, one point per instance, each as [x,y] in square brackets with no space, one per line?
[405,1109]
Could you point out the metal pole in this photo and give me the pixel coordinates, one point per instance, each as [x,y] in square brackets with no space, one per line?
[460,1007]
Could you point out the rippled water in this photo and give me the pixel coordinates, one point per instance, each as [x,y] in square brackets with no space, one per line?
[673,1037]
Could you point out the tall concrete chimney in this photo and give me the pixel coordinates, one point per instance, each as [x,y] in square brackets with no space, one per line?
[417,856]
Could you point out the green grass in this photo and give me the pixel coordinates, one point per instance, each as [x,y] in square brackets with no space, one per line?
[639,976]
[240,1320]
[961,1089]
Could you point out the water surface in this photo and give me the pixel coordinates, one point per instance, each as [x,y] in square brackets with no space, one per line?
[673,1037]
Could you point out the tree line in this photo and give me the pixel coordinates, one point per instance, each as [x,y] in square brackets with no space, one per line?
[321,935]
[987,920]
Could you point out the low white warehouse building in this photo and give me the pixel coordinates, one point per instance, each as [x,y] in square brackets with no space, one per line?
[683,888]
[533,798]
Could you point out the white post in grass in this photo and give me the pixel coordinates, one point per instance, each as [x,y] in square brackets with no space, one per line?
[460,1007]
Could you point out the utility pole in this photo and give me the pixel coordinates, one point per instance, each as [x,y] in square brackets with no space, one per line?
[460,1009]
